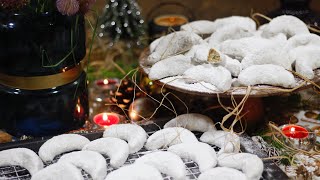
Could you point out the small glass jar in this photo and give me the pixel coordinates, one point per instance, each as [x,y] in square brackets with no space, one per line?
[298,137]
[168,16]
[101,94]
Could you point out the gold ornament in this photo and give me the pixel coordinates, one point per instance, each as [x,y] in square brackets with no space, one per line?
[142,108]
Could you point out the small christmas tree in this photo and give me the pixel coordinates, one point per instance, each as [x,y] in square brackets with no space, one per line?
[122,20]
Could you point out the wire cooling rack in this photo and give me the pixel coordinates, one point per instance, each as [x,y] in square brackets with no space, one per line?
[19,173]
[271,170]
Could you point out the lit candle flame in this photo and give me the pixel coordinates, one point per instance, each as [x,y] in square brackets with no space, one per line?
[105,81]
[106,119]
[172,19]
[64,69]
[105,116]
[78,108]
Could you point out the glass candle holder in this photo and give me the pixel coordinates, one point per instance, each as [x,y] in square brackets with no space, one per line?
[161,24]
[298,137]
[167,16]
[101,94]
[105,119]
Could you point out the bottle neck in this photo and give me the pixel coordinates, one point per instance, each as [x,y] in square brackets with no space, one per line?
[295,4]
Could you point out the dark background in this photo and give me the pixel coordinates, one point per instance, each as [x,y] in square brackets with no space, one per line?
[212,9]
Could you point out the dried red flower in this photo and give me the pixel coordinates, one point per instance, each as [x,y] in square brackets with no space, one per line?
[85,5]
[68,7]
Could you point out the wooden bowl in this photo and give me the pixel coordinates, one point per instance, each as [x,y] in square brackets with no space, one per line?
[257,90]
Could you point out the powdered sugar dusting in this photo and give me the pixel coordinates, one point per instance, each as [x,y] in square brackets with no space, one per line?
[178,81]
[250,146]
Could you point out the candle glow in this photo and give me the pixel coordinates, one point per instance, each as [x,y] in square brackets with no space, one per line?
[104,82]
[79,111]
[78,108]
[171,20]
[133,115]
[106,119]
[295,131]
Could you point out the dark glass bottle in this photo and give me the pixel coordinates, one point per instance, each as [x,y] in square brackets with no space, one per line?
[42,45]
[298,8]
[44,112]
[36,44]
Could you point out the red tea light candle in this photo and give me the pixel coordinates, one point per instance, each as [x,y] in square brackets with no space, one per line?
[298,137]
[106,119]
[294,131]
[106,84]
[170,20]
[103,82]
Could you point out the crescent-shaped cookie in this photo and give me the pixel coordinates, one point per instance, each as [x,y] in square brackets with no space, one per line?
[92,162]
[266,74]
[135,135]
[201,153]
[222,173]
[269,55]
[229,32]
[227,142]
[116,149]
[285,24]
[23,157]
[192,122]
[302,40]
[154,44]
[61,144]
[218,76]
[199,27]
[200,54]
[240,48]
[233,65]
[172,66]
[173,44]
[166,162]
[61,171]
[307,58]
[197,47]
[239,21]
[251,165]
[168,137]
[137,171]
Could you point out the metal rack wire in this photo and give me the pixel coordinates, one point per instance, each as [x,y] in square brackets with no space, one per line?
[191,167]
[19,173]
